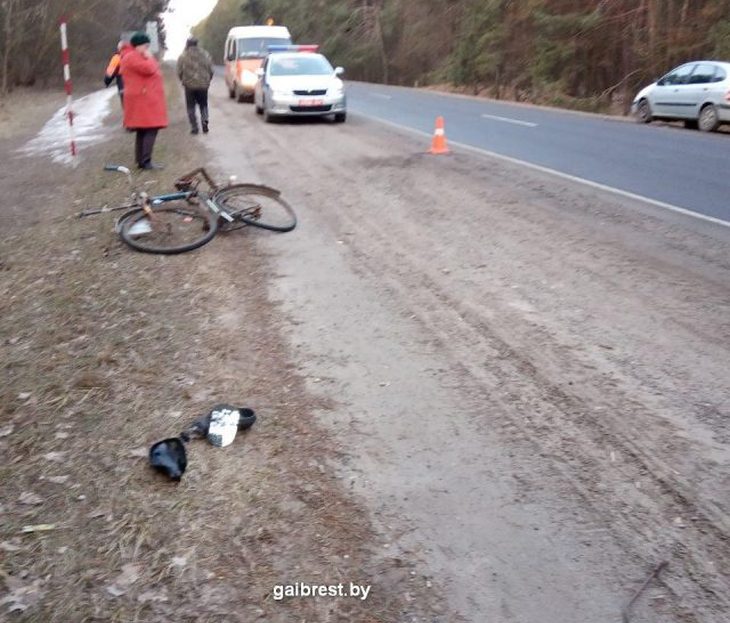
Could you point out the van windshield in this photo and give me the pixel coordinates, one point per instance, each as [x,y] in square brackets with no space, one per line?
[258,47]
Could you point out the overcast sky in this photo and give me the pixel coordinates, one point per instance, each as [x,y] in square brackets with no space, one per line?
[181,17]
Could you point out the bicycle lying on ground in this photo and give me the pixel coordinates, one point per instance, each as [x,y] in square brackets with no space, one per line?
[187,219]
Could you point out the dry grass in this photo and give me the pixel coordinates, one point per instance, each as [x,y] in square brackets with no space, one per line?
[105,351]
[24,108]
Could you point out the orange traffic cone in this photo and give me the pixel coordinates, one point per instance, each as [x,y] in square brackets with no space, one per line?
[438,143]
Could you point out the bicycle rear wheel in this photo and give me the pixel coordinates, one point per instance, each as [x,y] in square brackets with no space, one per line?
[260,206]
[173,227]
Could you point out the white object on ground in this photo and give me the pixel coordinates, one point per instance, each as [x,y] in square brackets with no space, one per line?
[142,226]
[223,427]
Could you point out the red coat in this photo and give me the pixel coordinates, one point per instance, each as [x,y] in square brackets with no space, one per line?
[144,92]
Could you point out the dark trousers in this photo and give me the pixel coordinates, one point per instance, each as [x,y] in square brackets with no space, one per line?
[120,88]
[144,144]
[197,97]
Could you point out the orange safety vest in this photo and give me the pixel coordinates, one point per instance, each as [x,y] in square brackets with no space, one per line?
[113,67]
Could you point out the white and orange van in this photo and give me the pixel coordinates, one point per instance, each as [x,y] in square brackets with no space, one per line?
[246,47]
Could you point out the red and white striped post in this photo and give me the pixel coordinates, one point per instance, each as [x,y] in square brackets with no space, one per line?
[65,57]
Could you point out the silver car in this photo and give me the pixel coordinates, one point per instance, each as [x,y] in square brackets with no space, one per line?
[299,83]
[697,93]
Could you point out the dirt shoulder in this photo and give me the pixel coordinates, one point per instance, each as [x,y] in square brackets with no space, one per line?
[531,377]
[105,351]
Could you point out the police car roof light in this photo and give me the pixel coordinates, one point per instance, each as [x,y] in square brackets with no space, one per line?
[293,48]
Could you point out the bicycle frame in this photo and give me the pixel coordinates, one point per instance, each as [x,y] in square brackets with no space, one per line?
[141,200]
[185,195]
[186,184]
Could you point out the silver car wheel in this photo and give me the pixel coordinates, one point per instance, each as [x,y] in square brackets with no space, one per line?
[708,121]
[643,112]
[268,117]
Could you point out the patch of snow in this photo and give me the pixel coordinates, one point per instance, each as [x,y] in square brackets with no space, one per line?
[89,114]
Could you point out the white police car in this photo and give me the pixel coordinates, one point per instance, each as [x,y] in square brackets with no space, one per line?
[298,81]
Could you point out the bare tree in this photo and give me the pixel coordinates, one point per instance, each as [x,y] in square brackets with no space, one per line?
[29,35]
[368,27]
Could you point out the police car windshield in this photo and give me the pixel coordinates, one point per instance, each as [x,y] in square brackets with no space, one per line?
[258,47]
[300,66]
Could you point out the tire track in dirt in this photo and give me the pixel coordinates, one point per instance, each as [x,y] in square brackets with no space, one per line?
[462,327]
[555,434]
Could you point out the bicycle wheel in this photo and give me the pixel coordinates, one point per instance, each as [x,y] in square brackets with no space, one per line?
[173,227]
[260,206]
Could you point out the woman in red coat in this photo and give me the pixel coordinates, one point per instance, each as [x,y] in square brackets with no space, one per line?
[145,109]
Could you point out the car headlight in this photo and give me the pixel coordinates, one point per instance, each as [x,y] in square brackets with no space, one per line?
[248,77]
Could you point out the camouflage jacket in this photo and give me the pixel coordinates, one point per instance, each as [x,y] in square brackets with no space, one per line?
[195,68]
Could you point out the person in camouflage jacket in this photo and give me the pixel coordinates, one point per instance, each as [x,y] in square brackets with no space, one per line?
[195,70]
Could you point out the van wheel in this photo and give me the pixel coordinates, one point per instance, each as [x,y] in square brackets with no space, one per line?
[340,117]
[709,120]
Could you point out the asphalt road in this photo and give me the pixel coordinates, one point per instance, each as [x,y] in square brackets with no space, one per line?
[684,168]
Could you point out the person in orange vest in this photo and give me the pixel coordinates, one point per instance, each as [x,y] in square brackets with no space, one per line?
[112,73]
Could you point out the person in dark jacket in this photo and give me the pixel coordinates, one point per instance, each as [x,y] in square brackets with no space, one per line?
[195,70]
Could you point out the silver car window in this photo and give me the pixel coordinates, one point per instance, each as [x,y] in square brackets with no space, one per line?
[678,76]
[702,74]
[720,74]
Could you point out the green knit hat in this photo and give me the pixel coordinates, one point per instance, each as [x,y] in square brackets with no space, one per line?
[139,38]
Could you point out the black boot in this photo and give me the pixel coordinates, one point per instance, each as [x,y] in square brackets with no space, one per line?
[205,127]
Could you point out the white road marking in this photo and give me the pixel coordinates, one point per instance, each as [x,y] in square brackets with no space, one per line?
[565,176]
[527,124]
[385,97]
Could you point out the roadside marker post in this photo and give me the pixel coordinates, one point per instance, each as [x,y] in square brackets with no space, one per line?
[65,58]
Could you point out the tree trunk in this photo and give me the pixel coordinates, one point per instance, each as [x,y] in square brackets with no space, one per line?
[651,24]
[381,44]
[8,6]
